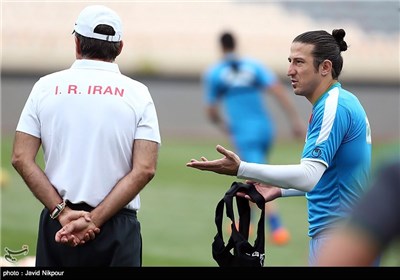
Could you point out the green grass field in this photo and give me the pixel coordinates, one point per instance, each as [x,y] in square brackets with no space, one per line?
[177,213]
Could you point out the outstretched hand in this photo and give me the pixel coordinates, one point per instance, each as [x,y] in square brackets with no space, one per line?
[228,165]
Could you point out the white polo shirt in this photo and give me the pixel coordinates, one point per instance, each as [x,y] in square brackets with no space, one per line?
[87,118]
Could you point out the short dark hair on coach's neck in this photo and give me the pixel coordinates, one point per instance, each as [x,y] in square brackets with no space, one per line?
[227,41]
[99,49]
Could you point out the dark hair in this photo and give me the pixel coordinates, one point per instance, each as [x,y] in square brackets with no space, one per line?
[227,41]
[326,46]
[99,49]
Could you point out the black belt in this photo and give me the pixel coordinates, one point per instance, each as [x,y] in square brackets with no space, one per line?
[88,208]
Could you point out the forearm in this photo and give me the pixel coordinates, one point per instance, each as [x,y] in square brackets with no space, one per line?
[284,100]
[302,177]
[123,193]
[144,164]
[288,107]
[39,184]
[215,118]
[214,115]
[24,153]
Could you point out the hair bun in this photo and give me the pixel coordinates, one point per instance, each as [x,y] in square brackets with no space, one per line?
[339,34]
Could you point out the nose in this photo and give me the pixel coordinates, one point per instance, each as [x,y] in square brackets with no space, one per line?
[290,71]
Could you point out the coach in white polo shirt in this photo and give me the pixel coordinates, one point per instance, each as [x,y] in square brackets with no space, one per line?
[100,137]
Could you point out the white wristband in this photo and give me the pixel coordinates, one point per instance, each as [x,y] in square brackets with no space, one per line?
[291,192]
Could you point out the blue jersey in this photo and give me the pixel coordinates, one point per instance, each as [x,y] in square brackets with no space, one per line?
[240,84]
[339,136]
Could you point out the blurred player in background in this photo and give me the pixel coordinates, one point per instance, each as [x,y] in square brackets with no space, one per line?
[240,84]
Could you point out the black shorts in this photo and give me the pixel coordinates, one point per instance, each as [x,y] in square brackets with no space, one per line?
[118,244]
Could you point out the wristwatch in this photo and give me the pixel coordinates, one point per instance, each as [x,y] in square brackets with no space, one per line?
[57,210]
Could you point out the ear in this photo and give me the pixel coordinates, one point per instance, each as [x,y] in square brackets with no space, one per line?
[78,52]
[120,47]
[326,67]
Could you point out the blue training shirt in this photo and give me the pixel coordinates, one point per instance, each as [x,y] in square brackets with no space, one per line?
[339,136]
[239,84]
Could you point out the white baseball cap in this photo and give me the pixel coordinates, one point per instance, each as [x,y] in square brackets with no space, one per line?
[92,16]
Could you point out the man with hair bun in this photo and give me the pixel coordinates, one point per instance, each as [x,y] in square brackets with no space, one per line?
[334,169]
